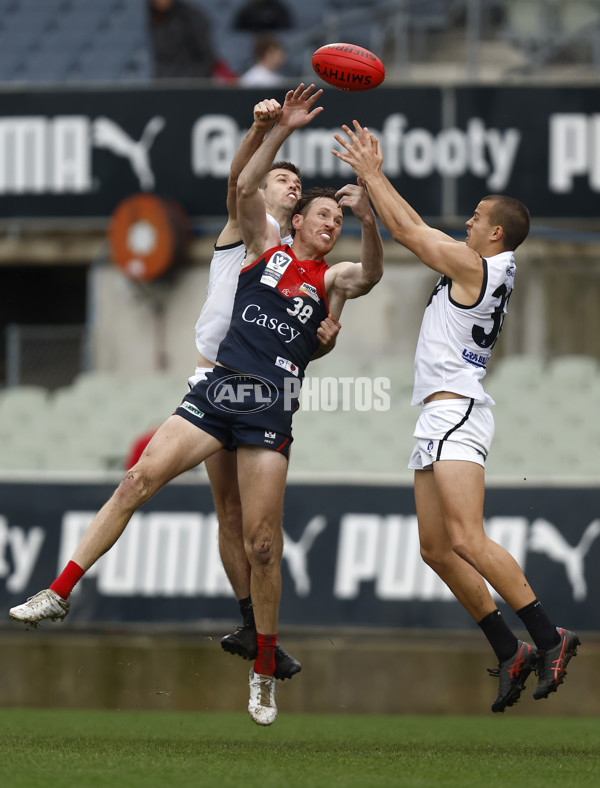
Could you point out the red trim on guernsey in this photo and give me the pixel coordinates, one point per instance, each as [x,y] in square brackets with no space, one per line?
[319,274]
[279,448]
[263,257]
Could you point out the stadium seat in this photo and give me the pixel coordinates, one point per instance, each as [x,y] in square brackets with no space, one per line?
[519,373]
[15,456]
[575,16]
[22,400]
[540,430]
[574,370]
[49,35]
[46,66]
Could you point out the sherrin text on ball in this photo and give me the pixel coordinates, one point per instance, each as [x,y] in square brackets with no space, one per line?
[348,67]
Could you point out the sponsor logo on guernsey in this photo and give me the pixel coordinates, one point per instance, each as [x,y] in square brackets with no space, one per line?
[310,291]
[270,437]
[192,409]
[286,364]
[476,359]
[252,314]
[275,269]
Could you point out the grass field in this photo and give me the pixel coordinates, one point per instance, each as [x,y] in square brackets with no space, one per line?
[121,749]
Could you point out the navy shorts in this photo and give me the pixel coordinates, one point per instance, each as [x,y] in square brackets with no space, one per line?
[240,410]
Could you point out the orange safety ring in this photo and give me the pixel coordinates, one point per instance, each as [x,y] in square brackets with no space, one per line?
[145,236]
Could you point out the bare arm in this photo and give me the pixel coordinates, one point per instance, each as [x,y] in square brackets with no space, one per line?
[265,115]
[351,280]
[296,112]
[435,248]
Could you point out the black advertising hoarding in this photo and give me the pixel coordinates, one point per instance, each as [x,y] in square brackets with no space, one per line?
[351,555]
[549,147]
[70,153]
[73,153]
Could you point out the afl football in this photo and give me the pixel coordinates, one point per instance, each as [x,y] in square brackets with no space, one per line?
[348,67]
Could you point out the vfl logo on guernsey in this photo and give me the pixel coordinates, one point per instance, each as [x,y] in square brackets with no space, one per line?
[275,269]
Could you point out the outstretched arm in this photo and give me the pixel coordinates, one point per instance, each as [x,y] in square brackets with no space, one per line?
[296,112]
[265,116]
[435,248]
[351,280]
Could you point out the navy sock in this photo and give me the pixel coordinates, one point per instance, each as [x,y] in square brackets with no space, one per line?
[501,639]
[542,630]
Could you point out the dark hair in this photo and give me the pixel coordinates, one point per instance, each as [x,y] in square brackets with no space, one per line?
[285,165]
[281,165]
[512,216]
[307,197]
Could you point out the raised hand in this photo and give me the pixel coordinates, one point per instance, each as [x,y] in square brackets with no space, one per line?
[267,112]
[354,196]
[298,107]
[362,151]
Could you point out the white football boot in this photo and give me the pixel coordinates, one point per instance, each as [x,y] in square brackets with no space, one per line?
[261,705]
[45,604]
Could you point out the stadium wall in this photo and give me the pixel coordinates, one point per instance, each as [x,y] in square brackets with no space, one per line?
[374,672]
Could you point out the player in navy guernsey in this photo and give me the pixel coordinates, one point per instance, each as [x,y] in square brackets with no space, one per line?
[283,294]
[460,326]
[281,303]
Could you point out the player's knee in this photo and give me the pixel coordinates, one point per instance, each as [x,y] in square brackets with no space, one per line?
[432,556]
[262,547]
[261,550]
[135,489]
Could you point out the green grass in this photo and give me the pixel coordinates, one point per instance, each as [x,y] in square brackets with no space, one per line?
[120,749]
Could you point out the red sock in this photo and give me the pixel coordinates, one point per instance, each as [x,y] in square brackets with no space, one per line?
[67,580]
[265,654]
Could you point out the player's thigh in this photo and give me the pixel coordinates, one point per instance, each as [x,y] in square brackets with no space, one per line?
[175,447]
[460,487]
[261,477]
[222,473]
[432,530]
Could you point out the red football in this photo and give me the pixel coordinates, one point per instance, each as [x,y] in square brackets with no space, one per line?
[348,67]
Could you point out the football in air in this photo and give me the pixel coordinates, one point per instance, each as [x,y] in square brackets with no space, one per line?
[348,67]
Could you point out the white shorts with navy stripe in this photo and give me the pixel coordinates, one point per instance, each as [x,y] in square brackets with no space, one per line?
[452,429]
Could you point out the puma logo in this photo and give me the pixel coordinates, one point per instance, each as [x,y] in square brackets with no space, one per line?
[296,553]
[546,538]
[107,134]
